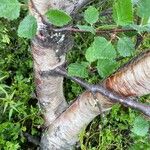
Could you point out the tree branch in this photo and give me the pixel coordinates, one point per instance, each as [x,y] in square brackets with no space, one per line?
[112,96]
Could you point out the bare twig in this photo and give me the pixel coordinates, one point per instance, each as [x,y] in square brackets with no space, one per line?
[100,31]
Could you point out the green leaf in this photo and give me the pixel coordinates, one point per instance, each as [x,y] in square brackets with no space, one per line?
[104,49]
[9,9]
[125,47]
[90,54]
[138,28]
[144,8]
[28,27]
[105,67]
[10,113]
[5,107]
[58,17]
[123,12]
[100,49]
[141,126]
[86,28]
[78,70]
[91,15]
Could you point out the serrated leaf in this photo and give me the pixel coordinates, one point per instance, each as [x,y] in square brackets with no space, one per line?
[138,28]
[85,63]
[105,67]
[86,28]
[9,9]
[90,54]
[91,15]
[58,17]
[141,126]
[123,12]
[125,47]
[104,49]
[144,8]
[141,28]
[28,27]
[77,70]
[100,49]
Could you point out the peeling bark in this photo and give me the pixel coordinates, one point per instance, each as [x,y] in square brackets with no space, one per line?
[133,79]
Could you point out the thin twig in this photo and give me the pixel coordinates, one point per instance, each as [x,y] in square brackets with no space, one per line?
[100,31]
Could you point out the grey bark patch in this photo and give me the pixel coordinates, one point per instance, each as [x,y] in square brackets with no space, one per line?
[59,41]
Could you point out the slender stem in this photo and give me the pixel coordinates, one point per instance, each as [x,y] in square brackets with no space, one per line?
[99,31]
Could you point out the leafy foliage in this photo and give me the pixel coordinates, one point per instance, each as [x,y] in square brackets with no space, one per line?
[58,17]
[123,12]
[100,49]
[143,8]
[78,70]
[91,15]
[9,9]
[27,27]
[125,47]
[18,110]
[106,66]
[141,126]
[103,51]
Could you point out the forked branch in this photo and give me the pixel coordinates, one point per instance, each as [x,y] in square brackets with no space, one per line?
[111,95]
